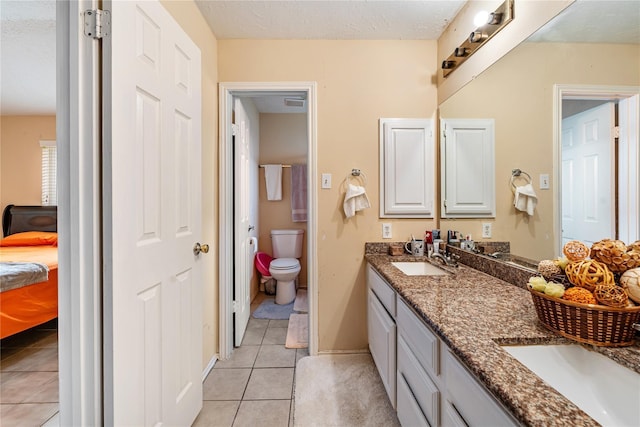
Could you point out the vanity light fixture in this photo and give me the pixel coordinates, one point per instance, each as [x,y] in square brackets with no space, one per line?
[488,24]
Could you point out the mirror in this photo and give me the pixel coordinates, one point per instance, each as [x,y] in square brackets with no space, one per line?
[590,43]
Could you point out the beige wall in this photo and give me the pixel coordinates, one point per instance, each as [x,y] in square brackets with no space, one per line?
[283,139]
[188,16]
[358,83]
[518,93]
[20,175]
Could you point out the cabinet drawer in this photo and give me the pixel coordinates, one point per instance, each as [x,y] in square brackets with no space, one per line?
[423,390]
[409,412]
[422,342]
[471,400]
[383,291]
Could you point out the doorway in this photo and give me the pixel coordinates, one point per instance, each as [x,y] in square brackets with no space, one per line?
[228,94]
[599,125]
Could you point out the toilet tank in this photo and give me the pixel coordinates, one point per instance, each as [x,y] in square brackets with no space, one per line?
[286,243]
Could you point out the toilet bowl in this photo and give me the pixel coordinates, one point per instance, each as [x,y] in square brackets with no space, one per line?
[285,271]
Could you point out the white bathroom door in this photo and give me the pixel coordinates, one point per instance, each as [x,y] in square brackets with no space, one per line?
[153,277]
[588,183]
[244,230]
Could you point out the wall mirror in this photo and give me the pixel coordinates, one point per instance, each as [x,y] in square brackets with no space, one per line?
[589,45]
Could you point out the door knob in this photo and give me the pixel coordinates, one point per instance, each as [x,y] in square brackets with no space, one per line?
[197,248]
[251,227]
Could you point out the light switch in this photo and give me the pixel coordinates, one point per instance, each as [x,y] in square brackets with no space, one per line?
[326,180]
[544,181]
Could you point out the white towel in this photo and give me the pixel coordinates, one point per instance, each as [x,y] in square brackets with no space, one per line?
[526,199]
[273,181]
[355,199]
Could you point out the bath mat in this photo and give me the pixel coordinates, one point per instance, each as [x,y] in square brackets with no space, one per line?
[301,304]
[270,310]
[298,331]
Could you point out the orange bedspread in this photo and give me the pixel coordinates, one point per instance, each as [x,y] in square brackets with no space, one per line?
[31,305]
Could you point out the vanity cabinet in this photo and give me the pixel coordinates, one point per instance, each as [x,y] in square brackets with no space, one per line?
[428,386]
[381,327]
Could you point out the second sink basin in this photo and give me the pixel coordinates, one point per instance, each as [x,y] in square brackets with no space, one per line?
[419,269]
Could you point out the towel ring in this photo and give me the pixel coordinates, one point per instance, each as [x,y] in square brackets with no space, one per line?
[357,173]
[515,173]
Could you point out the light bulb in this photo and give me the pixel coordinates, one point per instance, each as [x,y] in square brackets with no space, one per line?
[481,18]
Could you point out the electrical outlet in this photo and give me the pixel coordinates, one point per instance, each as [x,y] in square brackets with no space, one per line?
[386,230]
[326,180]
[486,230]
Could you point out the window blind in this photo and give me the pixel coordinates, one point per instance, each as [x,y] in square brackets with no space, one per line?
[49,171]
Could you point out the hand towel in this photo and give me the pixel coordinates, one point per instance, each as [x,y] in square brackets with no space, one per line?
[525,199]
[355,199]
[273,181]
[299,193]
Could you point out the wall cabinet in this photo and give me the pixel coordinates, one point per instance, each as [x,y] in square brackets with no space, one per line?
[432,387]
[407,168]
[468,168]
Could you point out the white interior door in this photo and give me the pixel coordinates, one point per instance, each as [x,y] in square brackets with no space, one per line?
[246,244]
[588,186]
[153,316]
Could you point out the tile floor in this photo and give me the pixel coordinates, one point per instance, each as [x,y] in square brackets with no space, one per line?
[254,387]
[29,377]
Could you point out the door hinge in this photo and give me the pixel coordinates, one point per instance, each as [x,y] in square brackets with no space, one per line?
[234,129]
[616,131]
[97,23]
[234,306]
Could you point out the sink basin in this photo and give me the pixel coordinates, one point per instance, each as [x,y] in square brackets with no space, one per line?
[605,390]
[419,269]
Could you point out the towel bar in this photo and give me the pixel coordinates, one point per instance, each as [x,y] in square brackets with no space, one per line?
[515,173]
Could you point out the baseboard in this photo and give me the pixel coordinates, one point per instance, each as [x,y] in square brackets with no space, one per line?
[209,367]
[326,352]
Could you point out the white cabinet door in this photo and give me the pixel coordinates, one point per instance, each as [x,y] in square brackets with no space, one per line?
[468,168]
[407,168]
[382,343]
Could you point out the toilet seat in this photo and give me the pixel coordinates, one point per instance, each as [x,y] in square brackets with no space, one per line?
[284,264]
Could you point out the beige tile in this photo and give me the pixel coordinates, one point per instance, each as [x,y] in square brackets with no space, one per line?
[27,414]
[242,357]
[32,359]
[275,336]
[279,323]
[226,384]
[19,387]
[270,383]
[275,356]
[217,414]
[300,353]
[257,323]
[53,421]
[271,413]
[49,339]
[253,336]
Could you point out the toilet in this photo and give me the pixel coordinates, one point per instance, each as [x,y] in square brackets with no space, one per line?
[285,267]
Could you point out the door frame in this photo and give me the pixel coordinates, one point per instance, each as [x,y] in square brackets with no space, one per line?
[226,92]
[561,91]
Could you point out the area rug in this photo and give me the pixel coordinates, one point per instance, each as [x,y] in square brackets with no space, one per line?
[340,390]
[270,310]
[301,303]
[298,331]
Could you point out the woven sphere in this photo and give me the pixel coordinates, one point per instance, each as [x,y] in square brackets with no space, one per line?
[561,279]
[630,281]
[613,296]
[548,268]
[616,255]
[589,273]
[575,250]
[579,295]
[635,246]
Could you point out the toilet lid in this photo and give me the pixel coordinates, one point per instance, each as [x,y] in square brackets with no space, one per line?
[284,264]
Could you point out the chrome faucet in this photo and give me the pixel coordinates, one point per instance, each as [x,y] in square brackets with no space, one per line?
[451,261]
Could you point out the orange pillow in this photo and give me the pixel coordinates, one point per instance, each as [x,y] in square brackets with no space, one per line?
[31,238]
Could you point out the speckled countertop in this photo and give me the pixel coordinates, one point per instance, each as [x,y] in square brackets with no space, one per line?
[474,313]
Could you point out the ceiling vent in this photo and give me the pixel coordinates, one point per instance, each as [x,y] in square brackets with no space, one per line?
[294,102]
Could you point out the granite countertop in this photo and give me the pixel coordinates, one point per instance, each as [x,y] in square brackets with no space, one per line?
[474,313]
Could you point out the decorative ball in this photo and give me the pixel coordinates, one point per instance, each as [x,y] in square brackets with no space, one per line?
[575,251]
[616,255]
[589,273]
[561,279]
[613,296]
[635,246]
[630,281]
[579,295]
[548,268]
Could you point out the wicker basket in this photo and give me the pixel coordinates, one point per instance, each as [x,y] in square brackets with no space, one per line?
[591,324]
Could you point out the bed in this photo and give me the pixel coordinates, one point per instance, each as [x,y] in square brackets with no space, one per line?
[28,268]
